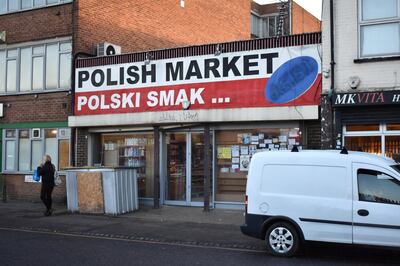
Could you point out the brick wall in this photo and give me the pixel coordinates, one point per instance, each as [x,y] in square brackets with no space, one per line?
[38,24]
[303,21]
[145,25]
[36,107]
[17,188]
[82,147]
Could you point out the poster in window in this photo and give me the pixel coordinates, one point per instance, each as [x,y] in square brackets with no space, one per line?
[244,150]
[244,163]
[235,160]
[235,151]
[252,149]
[224,152]
[244,138]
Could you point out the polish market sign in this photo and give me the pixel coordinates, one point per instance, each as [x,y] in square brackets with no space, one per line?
[259,78]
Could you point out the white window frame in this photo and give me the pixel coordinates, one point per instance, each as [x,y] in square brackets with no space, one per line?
[19,8]
[382,132]
[32,45]
[264,20]
[371,22]
[43,148]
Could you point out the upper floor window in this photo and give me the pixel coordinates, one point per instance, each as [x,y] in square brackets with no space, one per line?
[34,68]
[9,6]
[264,27]
[379,28]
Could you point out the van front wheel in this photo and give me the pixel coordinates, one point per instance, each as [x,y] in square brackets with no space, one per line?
[282,239]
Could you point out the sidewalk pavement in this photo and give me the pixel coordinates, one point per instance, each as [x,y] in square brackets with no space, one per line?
[169,224]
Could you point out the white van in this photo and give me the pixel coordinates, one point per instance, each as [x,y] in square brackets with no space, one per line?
[329,196]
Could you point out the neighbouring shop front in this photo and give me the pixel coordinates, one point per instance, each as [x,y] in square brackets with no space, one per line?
[369,122]
[190,123]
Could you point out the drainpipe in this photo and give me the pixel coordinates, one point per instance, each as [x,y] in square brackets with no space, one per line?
[332,66]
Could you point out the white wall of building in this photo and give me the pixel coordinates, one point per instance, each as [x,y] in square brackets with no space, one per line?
[374,76]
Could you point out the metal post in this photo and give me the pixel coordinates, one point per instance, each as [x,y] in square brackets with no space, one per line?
[207,168]
[156,202]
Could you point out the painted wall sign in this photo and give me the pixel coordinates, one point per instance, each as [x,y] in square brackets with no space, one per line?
[260,78]
[367,98]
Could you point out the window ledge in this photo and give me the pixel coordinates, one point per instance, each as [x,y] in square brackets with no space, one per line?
[376,59]
[35,92]
[34,8]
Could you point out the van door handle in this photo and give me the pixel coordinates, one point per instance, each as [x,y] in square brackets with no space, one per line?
[363,212]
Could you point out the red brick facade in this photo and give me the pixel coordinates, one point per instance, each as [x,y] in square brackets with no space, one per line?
[17,188]
[37,24]
[41,107]
[135,25]
[160,24]
[303,21]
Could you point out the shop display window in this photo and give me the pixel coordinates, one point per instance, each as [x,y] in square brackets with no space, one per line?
[131,150]
[392,146]
[371,144]
[25,148]
[234,151]
[362,127]
[393,127]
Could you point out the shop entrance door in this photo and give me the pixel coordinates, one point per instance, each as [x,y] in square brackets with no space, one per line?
[184,169]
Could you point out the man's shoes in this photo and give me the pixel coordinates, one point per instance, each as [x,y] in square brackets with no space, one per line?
[50,212]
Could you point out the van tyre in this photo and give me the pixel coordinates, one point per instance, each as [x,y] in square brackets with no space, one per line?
[282,239]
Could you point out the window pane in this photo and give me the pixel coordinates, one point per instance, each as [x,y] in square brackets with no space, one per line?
[380,39]
[12,5]
[26,4]
[272,27]
[51,145]
[49,2]
[24,154]
[63,152]
[65,47]
[65,70]
[392,146]
[10,133]
[362,127]
[376,9]
[51,66]
[393,127]
[3,6]
[25,76]
[37,154]
[2,71]
[132,150]
[12,53]
[39,2]
[377,187]
[37,73]
[38,50]
[366,144]
[10,155]
[11,75]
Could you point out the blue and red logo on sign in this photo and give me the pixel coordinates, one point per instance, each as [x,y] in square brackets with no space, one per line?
[291,80]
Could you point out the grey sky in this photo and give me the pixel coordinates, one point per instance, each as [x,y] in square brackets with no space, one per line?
[312,6]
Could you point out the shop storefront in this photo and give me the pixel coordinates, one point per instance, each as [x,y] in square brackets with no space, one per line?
[369,122]
[190,124]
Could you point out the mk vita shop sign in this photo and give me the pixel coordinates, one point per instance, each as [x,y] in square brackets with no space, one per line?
[259,78]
